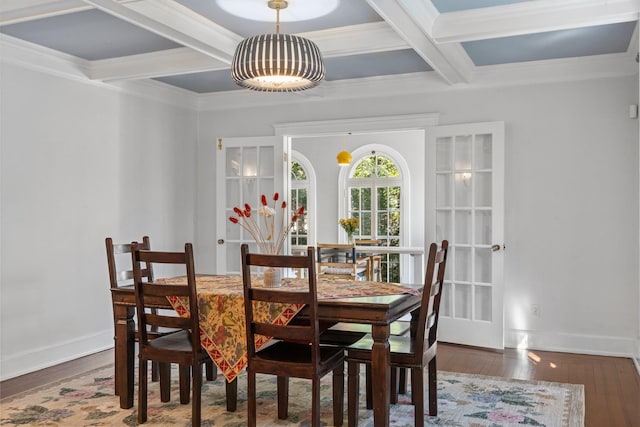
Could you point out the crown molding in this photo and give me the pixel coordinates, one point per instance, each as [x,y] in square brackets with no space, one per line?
[357,125]
[15,11]
[38,58]
[47,61]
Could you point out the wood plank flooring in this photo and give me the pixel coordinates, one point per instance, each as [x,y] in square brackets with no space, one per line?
[612,384]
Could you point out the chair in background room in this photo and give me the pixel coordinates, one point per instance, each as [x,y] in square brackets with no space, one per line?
[296,350]
[415,351]
[338,260]
[374,262]
[183,347]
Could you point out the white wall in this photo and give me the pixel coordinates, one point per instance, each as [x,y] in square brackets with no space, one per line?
[571,198]
[80,163]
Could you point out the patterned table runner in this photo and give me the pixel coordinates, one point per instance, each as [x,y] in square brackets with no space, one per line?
[221,309]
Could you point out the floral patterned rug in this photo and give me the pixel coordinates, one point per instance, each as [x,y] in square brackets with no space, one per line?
[463,400]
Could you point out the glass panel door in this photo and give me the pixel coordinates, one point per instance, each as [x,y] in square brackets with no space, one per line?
[466,170]
[246,169]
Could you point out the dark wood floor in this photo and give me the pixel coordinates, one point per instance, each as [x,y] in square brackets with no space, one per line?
[612,384]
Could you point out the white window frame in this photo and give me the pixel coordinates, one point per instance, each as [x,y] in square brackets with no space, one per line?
[310,184]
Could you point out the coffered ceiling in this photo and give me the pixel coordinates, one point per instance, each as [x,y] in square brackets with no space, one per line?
[189,44]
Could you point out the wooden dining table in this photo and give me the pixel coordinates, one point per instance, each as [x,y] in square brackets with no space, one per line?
[375,303]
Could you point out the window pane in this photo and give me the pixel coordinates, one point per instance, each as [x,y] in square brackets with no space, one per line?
[365,223]
[382,198]
[355,199]
[383,223]
[366,199]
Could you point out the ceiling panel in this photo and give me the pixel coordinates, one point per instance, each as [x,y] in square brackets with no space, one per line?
[89,35]
[587,41]
[375,64]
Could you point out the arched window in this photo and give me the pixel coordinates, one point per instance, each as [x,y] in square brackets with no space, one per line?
[375,187]
[302,194]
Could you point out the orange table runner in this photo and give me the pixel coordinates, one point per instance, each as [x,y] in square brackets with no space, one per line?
[221,309]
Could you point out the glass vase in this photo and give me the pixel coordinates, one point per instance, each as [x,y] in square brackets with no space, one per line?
[272,277]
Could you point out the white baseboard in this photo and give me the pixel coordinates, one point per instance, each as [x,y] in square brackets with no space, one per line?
[17,364]
[571,343]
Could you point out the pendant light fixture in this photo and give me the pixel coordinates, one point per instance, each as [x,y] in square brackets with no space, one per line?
[344,157]
[277,62]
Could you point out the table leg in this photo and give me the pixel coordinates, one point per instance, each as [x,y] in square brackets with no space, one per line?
[124,354]
[381,374]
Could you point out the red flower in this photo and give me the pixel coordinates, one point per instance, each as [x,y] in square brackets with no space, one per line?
[233,219]
[301,211]
[275,197]
[264,200]
[294,218]
[238,212]
[247,207]
[284,204]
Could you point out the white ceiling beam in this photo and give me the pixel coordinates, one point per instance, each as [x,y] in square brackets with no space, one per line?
[349,40]
[450,62]
[357,39]
[15,11]
[155,64]
[530,17]
[177,23]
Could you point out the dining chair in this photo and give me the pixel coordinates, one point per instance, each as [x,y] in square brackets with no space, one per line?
[415,351]
[374,262]
[183,347]
[295,349]
[121,276]
[338,260]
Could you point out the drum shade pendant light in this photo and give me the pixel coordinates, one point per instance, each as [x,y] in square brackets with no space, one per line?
[277,62]
[344,157]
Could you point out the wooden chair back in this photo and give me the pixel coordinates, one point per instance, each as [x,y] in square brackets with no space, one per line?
[374,262]
[427,326]
[339,260]
[149,295]
[119,276]
[303,331]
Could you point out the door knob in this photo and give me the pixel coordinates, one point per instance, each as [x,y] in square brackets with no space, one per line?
[221,241]
[496,248]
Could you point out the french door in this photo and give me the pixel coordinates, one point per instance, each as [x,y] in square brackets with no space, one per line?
[465,200]
[246,168]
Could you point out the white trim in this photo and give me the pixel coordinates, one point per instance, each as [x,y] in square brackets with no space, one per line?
[311,194]
[359,125]
[51,355]
[570,343]
[40,59]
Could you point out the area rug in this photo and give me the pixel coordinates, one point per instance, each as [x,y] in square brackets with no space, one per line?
[463,400]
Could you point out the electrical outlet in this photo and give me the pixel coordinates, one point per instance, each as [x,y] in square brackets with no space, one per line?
[535,310]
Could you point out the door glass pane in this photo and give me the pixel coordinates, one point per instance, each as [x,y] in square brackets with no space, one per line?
[233,231]
[443,190]
[250,161]
[483,265]
[483,303]
[266,188]
[483,227]
[365,193]
[463,189]
[233,162]
[444,154]
[266,161]
[445,301]
[483,189]
[463,152]
[463,226]
[250,192]
[365,223]
[483,152]
[443,226]
[233,192]
[463,301]
[462,264]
